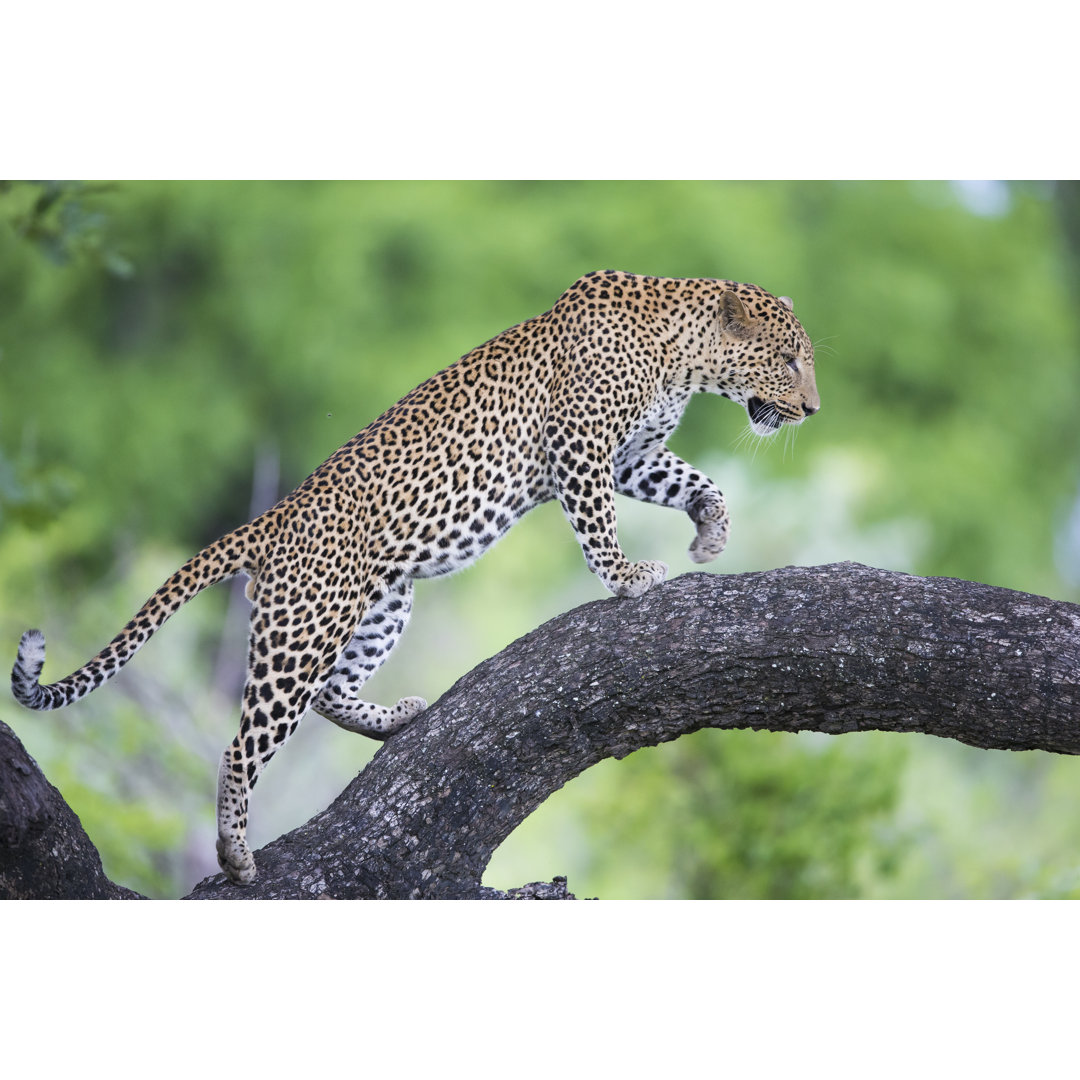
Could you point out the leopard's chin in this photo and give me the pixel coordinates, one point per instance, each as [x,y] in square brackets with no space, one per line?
[765,418]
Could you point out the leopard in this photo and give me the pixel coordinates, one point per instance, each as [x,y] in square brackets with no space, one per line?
[576,405]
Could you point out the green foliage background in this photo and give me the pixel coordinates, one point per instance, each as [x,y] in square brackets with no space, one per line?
[157,340]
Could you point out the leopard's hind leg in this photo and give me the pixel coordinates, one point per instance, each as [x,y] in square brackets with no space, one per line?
[378,633]
[298,630]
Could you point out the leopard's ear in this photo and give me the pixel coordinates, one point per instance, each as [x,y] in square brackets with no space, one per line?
[733,316]
[787,302]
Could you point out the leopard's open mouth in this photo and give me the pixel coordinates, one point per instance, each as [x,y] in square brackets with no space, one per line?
[763,413]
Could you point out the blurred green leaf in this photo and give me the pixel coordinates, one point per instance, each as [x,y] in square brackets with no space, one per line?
[60,224]
[34,495]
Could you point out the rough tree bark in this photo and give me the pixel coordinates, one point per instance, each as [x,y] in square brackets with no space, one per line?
[44,850]
[834,649]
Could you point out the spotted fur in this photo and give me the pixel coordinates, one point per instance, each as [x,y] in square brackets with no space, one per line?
[574,405]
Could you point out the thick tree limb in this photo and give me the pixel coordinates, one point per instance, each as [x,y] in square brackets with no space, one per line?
[834,649]
[45,853]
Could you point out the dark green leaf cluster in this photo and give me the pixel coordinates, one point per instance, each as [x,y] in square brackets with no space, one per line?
[32,494]
[60,219]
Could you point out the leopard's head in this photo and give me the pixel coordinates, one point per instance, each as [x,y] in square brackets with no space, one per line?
[764,359]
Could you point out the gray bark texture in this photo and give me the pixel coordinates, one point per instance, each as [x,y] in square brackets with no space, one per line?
[45,853]
[833,649]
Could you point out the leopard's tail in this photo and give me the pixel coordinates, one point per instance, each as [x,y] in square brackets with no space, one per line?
[220,560]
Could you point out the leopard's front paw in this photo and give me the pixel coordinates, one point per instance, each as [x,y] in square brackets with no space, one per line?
[639,578]
[712,522]
[710,541]
[235,858]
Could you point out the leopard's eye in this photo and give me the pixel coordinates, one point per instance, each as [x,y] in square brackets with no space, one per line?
[792,362]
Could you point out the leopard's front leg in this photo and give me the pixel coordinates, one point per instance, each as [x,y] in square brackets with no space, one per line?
[581,469]
[661,477]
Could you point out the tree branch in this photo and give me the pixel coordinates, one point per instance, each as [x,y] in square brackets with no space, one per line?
[833,649]
[45,853]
